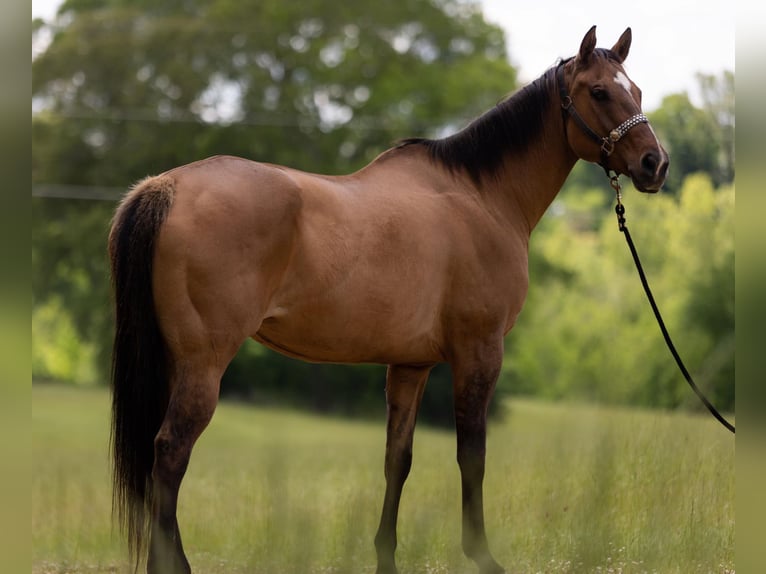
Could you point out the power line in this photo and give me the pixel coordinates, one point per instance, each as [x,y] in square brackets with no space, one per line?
[356,123]
[65,191]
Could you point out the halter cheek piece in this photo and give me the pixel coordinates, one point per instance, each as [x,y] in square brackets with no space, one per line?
[605,143]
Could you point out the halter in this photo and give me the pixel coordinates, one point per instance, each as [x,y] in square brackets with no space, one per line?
[605,143]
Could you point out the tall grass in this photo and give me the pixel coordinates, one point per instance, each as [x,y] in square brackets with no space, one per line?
[569,488]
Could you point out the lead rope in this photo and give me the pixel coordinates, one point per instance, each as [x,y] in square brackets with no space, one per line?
[620,210]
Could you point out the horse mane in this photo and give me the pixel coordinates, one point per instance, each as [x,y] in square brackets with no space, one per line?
[511,126]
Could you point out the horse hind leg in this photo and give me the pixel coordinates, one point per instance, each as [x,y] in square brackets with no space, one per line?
[193,398]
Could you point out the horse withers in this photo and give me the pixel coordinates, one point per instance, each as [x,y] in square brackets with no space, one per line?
[416,259]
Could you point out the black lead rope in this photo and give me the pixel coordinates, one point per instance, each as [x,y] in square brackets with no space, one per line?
[620,210]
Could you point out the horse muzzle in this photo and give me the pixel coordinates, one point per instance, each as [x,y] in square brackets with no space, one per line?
[651,171]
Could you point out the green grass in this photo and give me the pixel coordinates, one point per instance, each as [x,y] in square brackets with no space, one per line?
[569,488]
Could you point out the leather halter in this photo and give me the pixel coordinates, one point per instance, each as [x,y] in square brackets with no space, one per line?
[606,143]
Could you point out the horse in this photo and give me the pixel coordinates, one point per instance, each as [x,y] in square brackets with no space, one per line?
[418,258]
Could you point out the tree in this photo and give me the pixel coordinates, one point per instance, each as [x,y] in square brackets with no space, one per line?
[718,101]
[314,84]
[699,139]
[688,135]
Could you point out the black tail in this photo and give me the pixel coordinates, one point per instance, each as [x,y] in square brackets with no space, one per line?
[139,357]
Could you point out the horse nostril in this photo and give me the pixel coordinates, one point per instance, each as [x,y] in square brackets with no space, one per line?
[649,163]
[663,171]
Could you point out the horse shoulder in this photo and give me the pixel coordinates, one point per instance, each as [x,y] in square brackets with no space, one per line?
[488,270]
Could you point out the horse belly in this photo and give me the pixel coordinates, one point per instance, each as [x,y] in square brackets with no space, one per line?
[365,281]
[365,325]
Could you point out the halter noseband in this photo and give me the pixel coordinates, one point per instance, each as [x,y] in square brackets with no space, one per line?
[605,143]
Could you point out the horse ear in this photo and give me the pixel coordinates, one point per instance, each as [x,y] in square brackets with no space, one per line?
[587,47]
[622,47]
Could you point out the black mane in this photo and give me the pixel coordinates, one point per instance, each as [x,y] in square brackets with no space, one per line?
[510,126]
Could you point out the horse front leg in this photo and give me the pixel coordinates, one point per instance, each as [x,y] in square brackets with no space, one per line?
[475,374]
[404,391]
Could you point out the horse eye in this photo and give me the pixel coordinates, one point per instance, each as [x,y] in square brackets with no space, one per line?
[599,94]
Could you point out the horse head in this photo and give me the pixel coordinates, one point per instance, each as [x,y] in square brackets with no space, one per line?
[602,114]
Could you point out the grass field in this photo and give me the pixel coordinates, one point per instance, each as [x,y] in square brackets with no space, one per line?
[569,488]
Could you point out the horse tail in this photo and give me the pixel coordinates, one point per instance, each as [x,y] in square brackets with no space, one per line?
[140,361]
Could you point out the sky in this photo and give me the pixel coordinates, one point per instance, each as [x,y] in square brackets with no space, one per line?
[673,40]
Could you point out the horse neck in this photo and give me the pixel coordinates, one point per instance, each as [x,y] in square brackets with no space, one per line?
[515,155]
[529,180]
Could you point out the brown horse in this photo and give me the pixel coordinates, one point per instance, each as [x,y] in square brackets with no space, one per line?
[416,259]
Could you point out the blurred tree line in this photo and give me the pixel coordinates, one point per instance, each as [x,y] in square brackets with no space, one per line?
[126,88]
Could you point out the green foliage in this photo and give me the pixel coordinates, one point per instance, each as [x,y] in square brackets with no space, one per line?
[699,139]
[718,102]
[587,330]
[59,353]
[685,131]
[320,86]
[71,273]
